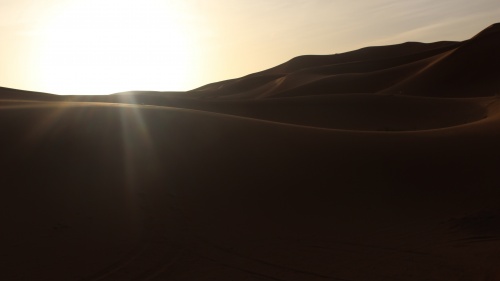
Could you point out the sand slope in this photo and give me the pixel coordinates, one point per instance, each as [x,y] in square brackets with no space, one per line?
[369,165]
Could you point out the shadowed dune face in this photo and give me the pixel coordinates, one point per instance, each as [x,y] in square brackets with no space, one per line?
[355,112]
[377,164]
[116,192]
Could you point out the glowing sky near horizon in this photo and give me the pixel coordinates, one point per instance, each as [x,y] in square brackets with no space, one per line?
[107,46]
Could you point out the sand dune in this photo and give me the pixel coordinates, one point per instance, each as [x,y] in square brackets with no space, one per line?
[449,69]
[377,164]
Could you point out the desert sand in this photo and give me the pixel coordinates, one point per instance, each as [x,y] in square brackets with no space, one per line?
[377,164]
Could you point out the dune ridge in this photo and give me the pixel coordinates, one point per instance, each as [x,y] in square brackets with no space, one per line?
[376,164]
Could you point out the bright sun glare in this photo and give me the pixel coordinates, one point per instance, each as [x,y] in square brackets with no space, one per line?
[103,47]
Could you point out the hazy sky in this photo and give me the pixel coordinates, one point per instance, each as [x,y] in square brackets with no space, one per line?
[106,46]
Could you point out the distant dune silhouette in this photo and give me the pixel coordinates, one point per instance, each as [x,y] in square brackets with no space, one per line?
[377,164]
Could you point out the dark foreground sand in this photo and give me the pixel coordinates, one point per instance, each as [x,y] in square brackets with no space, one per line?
[378,164]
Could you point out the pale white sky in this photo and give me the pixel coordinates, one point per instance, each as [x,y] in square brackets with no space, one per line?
[106,46]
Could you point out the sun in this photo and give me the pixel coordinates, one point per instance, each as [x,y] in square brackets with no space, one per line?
[103,47]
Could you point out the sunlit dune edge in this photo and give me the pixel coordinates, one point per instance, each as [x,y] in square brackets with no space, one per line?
[376,164]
